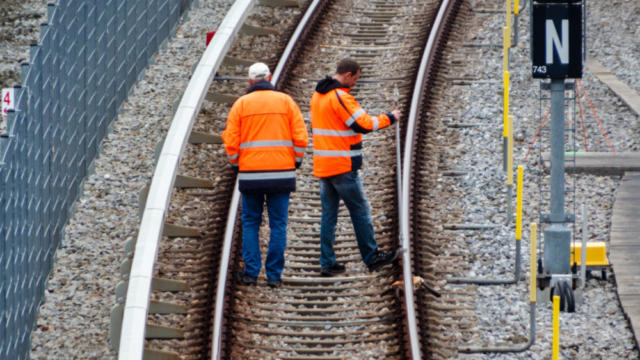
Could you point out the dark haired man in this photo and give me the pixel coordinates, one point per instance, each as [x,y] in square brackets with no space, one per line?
[338,123]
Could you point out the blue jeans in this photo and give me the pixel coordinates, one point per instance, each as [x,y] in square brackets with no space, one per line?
[347,187]
[278,209]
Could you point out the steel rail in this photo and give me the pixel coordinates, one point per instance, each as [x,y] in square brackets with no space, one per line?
[405,234]
[136,307]
[404,182]
[294,39]
[216,341]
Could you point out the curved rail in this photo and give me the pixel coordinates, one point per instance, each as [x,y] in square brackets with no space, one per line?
[404,184]
[137,302]
[151,226]
[216,346]
[418,92]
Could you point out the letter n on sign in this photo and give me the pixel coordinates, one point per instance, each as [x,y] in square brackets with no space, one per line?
[556,40]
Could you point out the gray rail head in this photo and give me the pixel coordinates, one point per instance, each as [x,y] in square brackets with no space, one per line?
[406,179]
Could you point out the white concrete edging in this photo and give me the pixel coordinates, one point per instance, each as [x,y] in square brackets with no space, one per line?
[136,307]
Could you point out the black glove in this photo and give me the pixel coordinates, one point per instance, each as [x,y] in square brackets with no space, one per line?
[234,168]
[298,163]
[392,118]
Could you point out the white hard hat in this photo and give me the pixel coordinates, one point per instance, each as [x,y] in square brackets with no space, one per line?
[258,71]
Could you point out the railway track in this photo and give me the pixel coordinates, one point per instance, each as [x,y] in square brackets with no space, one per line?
[358,314]
[444,323]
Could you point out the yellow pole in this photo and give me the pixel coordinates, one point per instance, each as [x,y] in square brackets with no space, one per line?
[505,85]
[555,347]
[534,264]
[506,37]
[516,6]
[506,44]
[505,105]
[519,202]
[509,15]
[510,153]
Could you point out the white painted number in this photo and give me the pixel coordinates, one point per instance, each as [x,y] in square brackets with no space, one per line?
[554,41]
[539,69]
[7,101]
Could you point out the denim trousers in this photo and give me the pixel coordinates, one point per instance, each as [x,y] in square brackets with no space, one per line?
[347,187]
[278,210]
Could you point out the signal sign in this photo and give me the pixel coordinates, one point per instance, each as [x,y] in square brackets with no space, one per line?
[8,101]
[556,41]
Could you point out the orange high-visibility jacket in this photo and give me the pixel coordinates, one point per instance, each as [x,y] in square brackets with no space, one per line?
[266,138]
[337,123]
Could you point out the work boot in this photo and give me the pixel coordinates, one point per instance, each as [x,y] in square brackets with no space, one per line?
[381,258]
[245,278]
[330,270]
[274,283]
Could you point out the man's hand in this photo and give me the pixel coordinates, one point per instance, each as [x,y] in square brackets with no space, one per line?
[397,114]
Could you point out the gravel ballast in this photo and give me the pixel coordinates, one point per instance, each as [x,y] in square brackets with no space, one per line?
[598,329]
[74,319]
[19,27]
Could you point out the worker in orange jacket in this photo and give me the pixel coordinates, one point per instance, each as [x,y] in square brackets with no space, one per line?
[337,123]
[265,139]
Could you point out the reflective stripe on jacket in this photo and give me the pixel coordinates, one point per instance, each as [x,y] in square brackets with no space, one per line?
[337,123]
[266,138]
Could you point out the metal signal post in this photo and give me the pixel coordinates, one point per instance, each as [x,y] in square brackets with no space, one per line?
[556,54]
